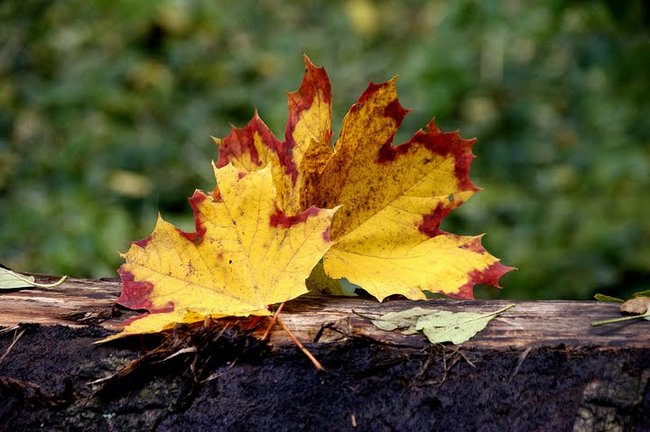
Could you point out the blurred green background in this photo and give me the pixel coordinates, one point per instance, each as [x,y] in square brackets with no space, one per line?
[107,106]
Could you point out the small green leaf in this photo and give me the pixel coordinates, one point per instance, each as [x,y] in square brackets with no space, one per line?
[438,326]
[455,327]
[645,293]
[318,283]
[13,280]
[606,298]
[405,319]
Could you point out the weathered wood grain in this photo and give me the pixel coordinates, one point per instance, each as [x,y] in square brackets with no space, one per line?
[81,302]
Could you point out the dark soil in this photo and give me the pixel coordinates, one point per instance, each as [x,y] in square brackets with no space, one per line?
[232,383]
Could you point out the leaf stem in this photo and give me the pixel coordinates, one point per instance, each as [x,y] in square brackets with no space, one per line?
[495,313]
[36,284]
[503,309]
[309,355]
[615,320]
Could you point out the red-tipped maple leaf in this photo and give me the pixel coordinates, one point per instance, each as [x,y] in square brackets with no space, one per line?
[387,235]
[246,254]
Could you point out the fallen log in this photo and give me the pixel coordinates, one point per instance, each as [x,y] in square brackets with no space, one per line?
[539,365]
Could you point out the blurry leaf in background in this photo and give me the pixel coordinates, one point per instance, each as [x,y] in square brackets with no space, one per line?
[129,184]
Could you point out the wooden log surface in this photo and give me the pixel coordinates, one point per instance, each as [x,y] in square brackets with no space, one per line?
[538,366]
[80,302]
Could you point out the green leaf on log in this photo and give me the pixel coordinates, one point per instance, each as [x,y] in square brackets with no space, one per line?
[438,326]
[12,280]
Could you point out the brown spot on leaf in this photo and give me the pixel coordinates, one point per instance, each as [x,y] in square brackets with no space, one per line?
[279,219]
[388,153]
[143,243]
[395,111]
[474,245]
[326,234]
[135,294]
[431,222]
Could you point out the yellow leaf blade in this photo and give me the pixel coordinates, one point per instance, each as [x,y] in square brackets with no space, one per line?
[307,139]
[446,263]
[310,113]
[245,255]
[388,237]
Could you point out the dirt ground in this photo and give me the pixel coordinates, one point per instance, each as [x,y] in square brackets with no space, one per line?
[225,382]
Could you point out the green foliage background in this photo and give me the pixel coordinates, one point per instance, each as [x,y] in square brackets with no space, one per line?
[106,109]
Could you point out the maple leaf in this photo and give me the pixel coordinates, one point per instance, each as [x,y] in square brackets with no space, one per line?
[246,254]
[306,146]
[387,236]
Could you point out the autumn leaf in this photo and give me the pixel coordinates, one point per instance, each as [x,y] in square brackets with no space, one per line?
[12,280]
[387,236]
[304,148]
[637,305]
[246,254]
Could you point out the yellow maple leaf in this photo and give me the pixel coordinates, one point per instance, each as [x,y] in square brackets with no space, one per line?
[387,236]
[306,146]
[246,254]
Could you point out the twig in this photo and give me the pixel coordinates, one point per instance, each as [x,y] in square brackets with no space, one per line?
[219,374]
[615,320]
[8,329]
[273,320]
[305,351]
[522,357]
[11,345]
[468,361]
[177,353]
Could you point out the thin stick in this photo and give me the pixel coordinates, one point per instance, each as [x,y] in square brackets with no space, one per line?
[273,320]
[309,355]
[11,345]
[522,357]
[615,320]
[177,353]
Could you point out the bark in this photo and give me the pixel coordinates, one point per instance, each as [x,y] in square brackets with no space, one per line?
[538,366]
[81,302]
